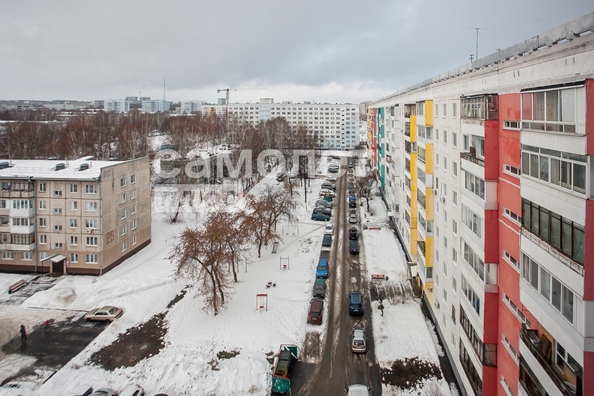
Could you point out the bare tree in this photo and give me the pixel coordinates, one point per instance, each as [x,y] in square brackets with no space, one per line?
[365,185]
[265,211]
[200,257]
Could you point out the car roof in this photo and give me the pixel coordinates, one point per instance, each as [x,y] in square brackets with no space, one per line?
[354,243]
[358,333]
[323,261]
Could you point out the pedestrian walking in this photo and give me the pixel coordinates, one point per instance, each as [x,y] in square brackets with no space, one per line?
[381,308]
[23,333]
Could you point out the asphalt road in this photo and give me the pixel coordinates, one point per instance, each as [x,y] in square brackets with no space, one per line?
[338,366]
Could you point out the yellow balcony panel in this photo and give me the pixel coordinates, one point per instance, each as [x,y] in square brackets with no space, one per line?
[429,158]
[429,251]
[413,128]
[428,113]
[429,201]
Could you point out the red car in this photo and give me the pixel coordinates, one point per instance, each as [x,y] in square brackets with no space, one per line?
[316,307]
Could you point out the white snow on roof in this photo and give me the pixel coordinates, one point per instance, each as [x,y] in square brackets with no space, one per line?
[46,169]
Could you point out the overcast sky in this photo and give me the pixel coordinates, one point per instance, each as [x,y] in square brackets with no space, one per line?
[303,50]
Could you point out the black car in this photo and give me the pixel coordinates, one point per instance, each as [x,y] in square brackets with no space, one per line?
[327,241]
[353,234]
[354,247]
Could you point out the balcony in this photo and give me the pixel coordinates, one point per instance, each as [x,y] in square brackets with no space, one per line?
[471,156]
[541,350]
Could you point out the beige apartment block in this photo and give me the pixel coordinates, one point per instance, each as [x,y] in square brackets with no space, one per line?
[78,217]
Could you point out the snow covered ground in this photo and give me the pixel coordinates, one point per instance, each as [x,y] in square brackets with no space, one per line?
[144,285]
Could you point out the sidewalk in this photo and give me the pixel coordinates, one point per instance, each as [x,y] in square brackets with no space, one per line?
[403,332]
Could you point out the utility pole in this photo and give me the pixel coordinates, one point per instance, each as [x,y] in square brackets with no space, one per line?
[477,42]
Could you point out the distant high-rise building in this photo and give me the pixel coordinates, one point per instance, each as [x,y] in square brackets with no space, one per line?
[155,105]
[119,106]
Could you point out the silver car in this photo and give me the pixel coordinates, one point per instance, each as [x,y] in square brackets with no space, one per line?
[104,314]
[358,343]
[353,218]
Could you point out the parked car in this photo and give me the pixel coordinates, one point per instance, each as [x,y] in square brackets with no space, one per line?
[318,216]
[327,240]
[332,170]
[321,209]
[329,229]
[322,269]
[355,303]
[319,289]
[323,202]
[329,186]
[104,314]
[331,179]
[358,341]
[316,307]
[351,189]
[327,193]
[103,392]
[358,390]
[353,218]
[352,204]
[132,390]
[353,233]
[354,247]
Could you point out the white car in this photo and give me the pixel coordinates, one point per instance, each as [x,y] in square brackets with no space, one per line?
[353,218]
[132,390]
[358,344]
[331,179]
[329,229]
[357,390]
[327,193]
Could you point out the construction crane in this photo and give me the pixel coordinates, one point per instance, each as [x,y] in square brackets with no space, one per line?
[227,90]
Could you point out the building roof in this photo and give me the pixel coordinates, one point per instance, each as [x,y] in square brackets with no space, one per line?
[81,169]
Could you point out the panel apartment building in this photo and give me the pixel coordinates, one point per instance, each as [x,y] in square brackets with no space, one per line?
[77,217]
[489,172]
[336,125]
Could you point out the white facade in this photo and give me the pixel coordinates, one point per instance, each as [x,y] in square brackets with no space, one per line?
[190,106]
[337,125]
[119,106]
[155,105]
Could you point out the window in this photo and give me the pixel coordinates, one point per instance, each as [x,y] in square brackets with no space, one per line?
[90,206]
[90,223]
[134,224]
[563,169]
[73,205]
[42,222]
[474,260]
[57,210]
[473,221]
[73,188]
[58,245]
[551,111]
[122,198]
[124,246]
[92,258]
[445,164]
[90,188]
[42,187]
[74,257]
[561,233]
[133,194]
[122,182]
[133,210]
[132,179]
[511,125]
[454,226]
[43,239]
[445,110]
[57,193]
[454,255]
[549,287]
[22,204]
[122,214]
[134,240]
[91,241]
[8,255]
[513,216]
[73,223]
[74,240]
[453,317]
[445,137]
[470,295]
[26,256]
[20,221]
[455,197]
[436,110]
[511,259]
[511,169]
[455,168]
[454,110]
[42,255]
[42,204]
[474,184]
[57,228]
[123,230]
